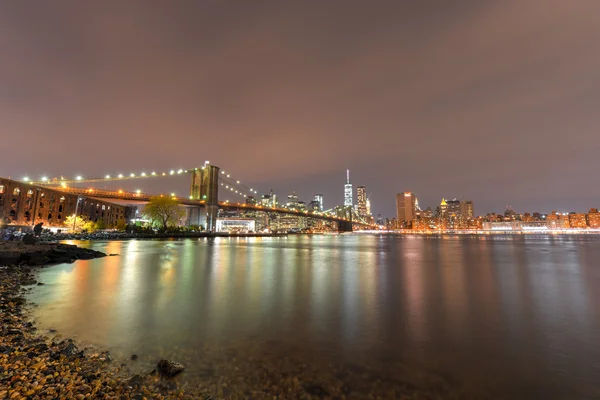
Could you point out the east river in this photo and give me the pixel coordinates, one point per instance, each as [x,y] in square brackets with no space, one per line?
[468,316]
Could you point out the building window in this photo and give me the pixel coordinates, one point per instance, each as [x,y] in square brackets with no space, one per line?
[29,194]
[49,217]
[62,199]
[1,189]
[16,191]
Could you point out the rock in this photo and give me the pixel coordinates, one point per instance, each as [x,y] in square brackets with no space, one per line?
[169,369]
[70,350]
[134,357]
[29,239]
[39,260]
[10,257]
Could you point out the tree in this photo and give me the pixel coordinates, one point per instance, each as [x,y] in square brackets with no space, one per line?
[163,211]
[79,223]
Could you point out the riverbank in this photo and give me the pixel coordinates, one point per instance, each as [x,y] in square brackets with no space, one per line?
[44,366]
[117,235]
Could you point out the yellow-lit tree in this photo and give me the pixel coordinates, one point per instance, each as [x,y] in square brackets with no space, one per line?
[163,211]
[79,223]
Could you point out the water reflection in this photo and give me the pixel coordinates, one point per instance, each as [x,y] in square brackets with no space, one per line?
[512,315]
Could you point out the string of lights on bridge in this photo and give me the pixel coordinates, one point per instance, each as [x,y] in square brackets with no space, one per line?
[228,185]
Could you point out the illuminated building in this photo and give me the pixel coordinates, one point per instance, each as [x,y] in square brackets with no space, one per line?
[319,199]
[405,209]
[361,201]
[468,209]
[251,200]
[348,190]
[314,205]
[368,206]
[593,218]
[380,219]
[578,221]
[443,208]
[235,225]
[269,200]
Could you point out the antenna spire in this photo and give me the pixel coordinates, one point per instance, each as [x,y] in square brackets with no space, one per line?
[347,176]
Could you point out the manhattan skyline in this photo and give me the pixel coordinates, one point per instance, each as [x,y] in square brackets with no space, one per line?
[488,101]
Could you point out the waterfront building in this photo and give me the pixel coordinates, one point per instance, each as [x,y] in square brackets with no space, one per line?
[319,199]
[236,225]
[361,201]
[405,209]
[348,190]
[593,218]
[578,221]
[25,204]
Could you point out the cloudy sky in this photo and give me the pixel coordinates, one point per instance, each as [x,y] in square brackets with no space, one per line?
[494,101]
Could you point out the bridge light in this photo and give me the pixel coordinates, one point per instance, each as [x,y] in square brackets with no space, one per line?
[79,177]
[138,191]
[143,174]
[132,175]
[180,171]
[107,177]
[226,186]
[172,194]
[206,162]
[222,172]
[25,179]
[120,191]
[172,172]
[120,175]
[153,173]
[238,182]
[163,174]
[228,175]
[191,197]
[63,185]
[236,191]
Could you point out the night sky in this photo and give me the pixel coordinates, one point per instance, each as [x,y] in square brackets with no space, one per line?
[493,101]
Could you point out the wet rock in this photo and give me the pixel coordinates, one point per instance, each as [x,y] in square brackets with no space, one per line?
[169,369]
[70,350]
[134,357]
[315,390]
[29,239]
[39,260]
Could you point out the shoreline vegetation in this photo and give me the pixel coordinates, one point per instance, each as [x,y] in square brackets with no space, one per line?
[36,364]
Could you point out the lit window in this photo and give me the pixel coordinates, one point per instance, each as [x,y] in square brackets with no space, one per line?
[1,189]
[16,191]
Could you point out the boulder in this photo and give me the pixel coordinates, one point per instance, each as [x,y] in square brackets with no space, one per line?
[169,369]
[39,260]
[10,257]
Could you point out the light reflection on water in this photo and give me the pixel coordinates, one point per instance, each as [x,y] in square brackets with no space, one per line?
[516,315]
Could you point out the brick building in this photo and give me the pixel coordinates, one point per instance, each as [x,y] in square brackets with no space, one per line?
[25,204]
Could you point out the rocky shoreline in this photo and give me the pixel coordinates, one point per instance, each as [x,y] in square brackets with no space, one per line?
[43,365]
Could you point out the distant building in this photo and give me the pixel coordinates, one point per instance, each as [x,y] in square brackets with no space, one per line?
[468,209]
[319,199]
[405,209]
[361,201]
[593,218]
[380,220]
[578,221]
[269,200]
[314,205]
[251,200]
[348,190]
[368,206]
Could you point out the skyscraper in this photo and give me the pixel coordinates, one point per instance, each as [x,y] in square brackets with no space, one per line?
[319,199]
[361,200]
[405,208]
[348,190]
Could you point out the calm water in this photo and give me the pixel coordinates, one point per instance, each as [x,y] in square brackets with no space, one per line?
[503,317]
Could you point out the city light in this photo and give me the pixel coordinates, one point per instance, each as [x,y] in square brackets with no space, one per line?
[26,179]
[132,175]
[78,177]
[44,178]
[120,175]
[143,174]
[138,191]
[107,177]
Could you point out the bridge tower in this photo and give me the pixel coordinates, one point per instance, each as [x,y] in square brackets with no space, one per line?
[205,187]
